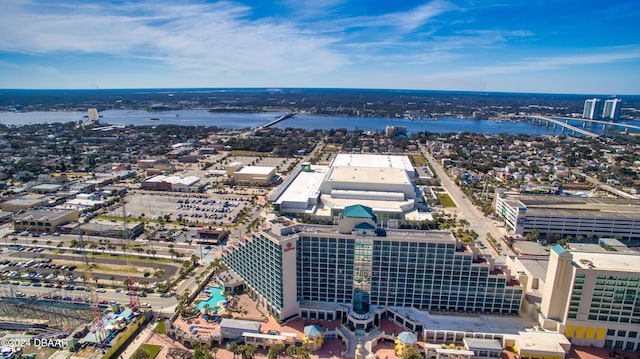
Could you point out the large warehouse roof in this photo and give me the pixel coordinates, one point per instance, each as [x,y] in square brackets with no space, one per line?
[366,160]
[369,175]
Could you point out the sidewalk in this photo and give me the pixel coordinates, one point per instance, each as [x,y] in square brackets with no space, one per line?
[142,337]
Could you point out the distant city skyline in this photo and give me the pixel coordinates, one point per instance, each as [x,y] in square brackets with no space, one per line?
[563,46]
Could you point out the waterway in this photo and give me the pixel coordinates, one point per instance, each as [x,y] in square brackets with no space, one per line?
[253,120]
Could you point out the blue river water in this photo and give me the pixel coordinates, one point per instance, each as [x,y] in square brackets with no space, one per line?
[252,120]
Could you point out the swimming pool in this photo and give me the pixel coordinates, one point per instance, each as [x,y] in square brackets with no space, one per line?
[216,296]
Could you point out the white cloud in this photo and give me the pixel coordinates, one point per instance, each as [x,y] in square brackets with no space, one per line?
[405,21]
[205,37]
[594,57]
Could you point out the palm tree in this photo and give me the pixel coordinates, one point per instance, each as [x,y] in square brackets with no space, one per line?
[249,351]
[233,347]
[274,351]
[291,350]
[112,279]
[214,350]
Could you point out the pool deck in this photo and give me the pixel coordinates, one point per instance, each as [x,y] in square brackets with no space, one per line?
[332,348]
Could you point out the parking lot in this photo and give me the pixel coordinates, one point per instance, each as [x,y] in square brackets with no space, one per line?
[200,208]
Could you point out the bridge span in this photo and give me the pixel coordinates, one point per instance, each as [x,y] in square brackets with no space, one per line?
[604,123]
[278,119]
[564,125]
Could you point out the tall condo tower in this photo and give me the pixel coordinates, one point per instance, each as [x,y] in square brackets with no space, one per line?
[611,109]
[592,109]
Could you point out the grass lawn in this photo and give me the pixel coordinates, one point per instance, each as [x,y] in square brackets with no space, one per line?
[131,257]
[419,160]
[160,328]
[241,153]
[153,350]
[445,200]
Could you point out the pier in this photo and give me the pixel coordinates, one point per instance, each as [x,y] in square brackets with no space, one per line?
[278,119]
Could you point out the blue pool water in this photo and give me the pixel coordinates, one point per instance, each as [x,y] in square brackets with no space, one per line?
[216,296]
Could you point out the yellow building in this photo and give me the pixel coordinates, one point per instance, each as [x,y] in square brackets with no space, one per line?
[251,174]
[403,341]
[44,220]
[313,337]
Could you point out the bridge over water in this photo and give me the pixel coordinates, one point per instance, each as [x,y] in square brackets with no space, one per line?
[278,119]
[558,121]
[564,125]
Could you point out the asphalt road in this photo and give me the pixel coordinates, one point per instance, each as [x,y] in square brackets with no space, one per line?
[69,257]
[165,305]
[477,221]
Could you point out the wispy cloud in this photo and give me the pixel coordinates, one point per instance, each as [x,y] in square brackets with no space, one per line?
[405,21]
[593,57]
[206,37]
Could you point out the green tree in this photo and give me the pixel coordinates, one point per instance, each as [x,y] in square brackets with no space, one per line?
[274,351]
[292,351]
[412,353]
[141,354]
[234,348]
[200,351]
[249,351]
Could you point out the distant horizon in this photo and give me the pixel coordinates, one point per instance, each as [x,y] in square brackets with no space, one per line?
[275,89]
[549,47]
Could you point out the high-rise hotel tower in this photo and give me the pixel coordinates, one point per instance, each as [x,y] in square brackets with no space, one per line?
[356,268]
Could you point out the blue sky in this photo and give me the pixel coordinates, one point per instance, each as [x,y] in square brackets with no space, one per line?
[550,46]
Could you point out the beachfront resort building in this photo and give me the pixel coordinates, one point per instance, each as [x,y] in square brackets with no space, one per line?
[356,269]
[593,297]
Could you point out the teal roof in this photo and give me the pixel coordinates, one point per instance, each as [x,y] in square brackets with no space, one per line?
[312,331]
[364,226]
[558,249]
[358,211]
[407,338]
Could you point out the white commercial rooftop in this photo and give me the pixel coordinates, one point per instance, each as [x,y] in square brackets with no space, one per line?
[614,261]
[466,324]
[365,160]
[306,185]
[542,342]
[188,180]
[369,175]
[255,170]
